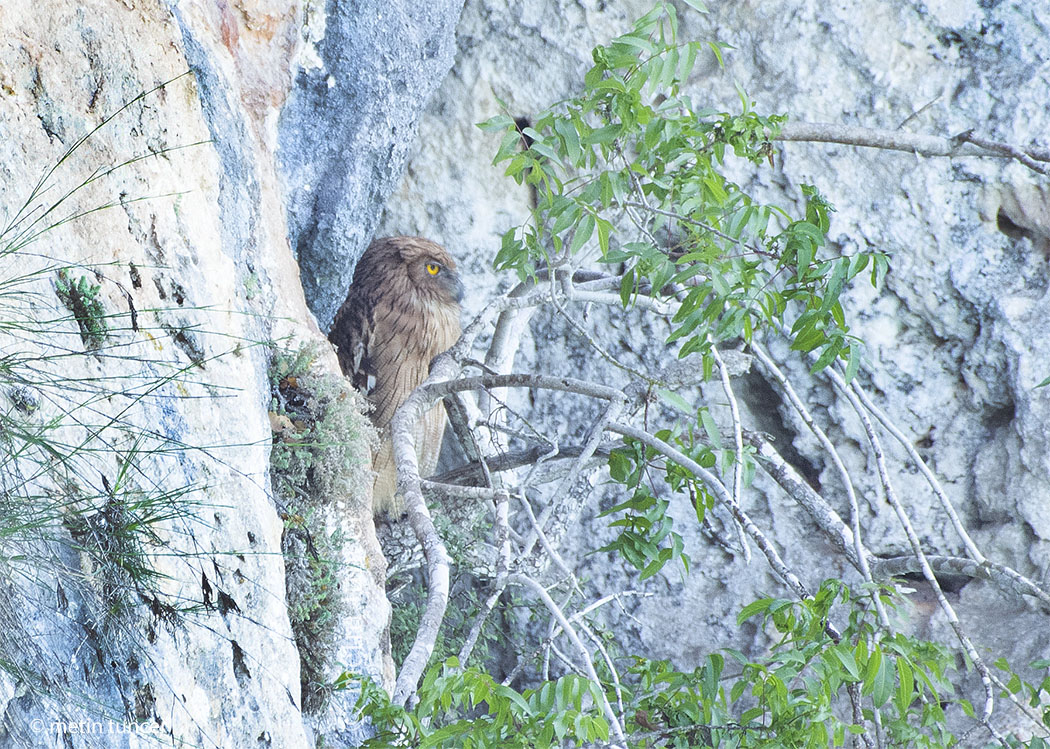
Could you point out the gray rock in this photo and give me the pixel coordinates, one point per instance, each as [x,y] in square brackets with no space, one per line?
[348,126]
[185,247]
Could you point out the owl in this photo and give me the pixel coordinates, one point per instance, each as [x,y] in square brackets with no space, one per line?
[402,310]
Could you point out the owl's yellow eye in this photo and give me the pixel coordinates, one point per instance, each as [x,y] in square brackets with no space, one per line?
[433,269]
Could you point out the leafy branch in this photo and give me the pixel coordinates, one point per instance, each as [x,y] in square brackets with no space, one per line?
[635,217]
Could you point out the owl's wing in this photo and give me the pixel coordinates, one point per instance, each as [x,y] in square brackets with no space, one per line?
[353,333]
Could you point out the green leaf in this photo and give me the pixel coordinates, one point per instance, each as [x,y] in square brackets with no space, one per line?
[711,428]
[603,135]
[674,399]
[852,361]
[905,685]
[755,607]
[827,356]
[882,684]
[499,122]
[717,49]
[845,657]
[584,230]
[543,149]
[627,287]
[571,138]
[604,230]
[637,42]
[619,466]
[834,287]
[507,147]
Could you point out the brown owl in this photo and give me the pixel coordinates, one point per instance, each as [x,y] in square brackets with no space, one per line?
[402,311]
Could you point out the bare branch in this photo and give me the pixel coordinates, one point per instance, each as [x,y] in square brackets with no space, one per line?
[538,534]
[997,574]
[859,558]
[539,590]
[935,484]
[433,388]
[641,301]
[438,385]
[702,225]
[716,486]
[564,495]
[1027,156]
[738,443]
[460,421]
[503,543]
[467,492]
[965,144]
[437,558]
[916,545]
[790,481]
[590,339]
[471,474]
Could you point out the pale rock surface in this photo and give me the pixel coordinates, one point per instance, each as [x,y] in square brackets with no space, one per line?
[303,116]
[195,241]
[349,126]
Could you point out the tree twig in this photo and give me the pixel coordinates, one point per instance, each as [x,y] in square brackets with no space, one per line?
[916,546]
[437,558]
[997,574]
[738,444]
[614,720]
[965,144]
[859,558]
[711,481]
[502,533]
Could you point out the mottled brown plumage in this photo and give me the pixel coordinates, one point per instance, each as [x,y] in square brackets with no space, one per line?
[402,311]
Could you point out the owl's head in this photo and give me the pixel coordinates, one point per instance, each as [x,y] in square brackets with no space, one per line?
[431,270]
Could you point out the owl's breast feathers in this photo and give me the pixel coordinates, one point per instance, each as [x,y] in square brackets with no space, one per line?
[387,332]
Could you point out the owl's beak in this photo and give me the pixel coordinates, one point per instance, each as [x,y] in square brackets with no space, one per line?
[454,285]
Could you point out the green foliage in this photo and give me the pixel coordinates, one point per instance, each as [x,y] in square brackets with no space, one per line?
[645,524]
[1036,695]
[81,298]
[646,540]
[796,696]
[633,143]
[319,454]
[463,606]
[468,708]
[798,690]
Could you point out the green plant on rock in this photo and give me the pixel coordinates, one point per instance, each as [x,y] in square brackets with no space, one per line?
[321,438]
[117,532]
[319,456]
[81,297]
[314,601]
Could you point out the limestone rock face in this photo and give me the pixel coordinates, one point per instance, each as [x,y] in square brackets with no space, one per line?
[144,584]
[149,274]
[349,125]
[956,338]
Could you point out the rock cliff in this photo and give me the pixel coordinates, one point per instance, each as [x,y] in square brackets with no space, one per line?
[150,295]
[163,261]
